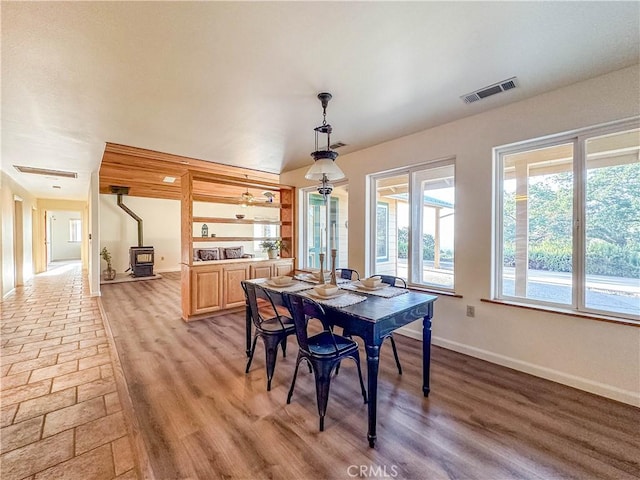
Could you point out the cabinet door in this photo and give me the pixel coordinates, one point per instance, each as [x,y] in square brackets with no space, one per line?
[233,293]
[260,270]
[283,268]
[205,293]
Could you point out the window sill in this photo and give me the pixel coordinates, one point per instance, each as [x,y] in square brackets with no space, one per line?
[434,291]
[589,316]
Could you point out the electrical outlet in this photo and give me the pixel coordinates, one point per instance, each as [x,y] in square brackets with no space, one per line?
[471,311]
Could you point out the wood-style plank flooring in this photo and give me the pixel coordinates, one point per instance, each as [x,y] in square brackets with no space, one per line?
[200,416]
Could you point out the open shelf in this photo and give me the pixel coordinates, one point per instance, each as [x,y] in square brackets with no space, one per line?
[232,239]
[245,221]
[235,201]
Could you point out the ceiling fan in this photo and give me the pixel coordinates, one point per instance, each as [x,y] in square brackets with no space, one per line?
[246,198]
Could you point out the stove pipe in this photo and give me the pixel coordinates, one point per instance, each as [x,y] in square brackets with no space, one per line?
[120,191]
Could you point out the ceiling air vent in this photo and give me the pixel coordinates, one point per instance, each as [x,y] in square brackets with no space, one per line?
[45,171]
[333,146]
[485,92]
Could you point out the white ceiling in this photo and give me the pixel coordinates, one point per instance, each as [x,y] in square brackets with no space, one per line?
[236,82]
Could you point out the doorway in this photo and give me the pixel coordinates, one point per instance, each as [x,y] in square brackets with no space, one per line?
[63,237]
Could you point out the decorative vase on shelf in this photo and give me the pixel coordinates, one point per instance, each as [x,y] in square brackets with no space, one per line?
[272,254]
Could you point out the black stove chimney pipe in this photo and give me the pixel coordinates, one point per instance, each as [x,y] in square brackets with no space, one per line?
[120,191]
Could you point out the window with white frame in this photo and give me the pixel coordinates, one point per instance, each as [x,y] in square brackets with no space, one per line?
[568,221]
[325,227]
[412,230]
[75,230]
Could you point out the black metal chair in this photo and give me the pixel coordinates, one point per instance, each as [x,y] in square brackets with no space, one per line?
[322,352]
[391,280]
[270,325]
[394,282]
[349,274]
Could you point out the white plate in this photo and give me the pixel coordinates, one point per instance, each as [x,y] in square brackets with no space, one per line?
[364,287]
[315,294]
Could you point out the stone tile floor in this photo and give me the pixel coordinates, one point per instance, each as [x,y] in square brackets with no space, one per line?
[60,414]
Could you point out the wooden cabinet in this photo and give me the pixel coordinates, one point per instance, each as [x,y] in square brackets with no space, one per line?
[211,288]
[260,270]
[271,268]
[282,267]
[232,292]
[206,291]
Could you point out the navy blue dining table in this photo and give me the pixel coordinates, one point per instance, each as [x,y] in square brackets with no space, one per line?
[373,320]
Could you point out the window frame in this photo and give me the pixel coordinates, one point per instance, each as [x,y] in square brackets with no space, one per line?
[385,207]
[415,219]
[578,138]
[332,216]
[75,230]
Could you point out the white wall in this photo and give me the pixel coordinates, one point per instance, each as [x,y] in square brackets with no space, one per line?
[596,356]
[61,247]
[8,190]
[161,230]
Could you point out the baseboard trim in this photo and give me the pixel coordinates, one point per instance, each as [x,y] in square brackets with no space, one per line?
[166,270]
[581,383]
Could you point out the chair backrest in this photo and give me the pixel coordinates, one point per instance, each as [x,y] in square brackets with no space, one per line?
[303,308]
[253,292]
[349,273]
[393,281]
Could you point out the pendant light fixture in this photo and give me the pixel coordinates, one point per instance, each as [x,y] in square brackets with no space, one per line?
[246,198]
[324,167]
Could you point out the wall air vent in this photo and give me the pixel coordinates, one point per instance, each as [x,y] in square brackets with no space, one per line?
[45,171]
[485,92]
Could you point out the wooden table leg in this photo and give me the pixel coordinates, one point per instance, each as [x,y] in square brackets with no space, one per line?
[426,354]
[373,361]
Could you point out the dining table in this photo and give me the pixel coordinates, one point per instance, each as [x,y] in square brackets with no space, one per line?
[372,319]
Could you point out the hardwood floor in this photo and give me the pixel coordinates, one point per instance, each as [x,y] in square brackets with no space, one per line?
[200,416]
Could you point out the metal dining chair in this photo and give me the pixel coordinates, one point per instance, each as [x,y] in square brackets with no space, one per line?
[349,274]
[394,282]
[323,352]
[270,325]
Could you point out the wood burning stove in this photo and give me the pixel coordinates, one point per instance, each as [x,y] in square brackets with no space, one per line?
[140,257]
[141,261]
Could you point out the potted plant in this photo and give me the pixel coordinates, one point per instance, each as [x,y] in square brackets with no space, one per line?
[272,247]
[109,273]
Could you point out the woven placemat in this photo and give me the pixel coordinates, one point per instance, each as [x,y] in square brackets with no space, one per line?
[386,292]
[343,300]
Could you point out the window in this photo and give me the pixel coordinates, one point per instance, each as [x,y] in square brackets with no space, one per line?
[75,230]
[568,221]
[382,232]
[414,224]
[324,228]
[264,231]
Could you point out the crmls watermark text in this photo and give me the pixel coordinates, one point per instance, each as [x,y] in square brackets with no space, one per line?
[375,471]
